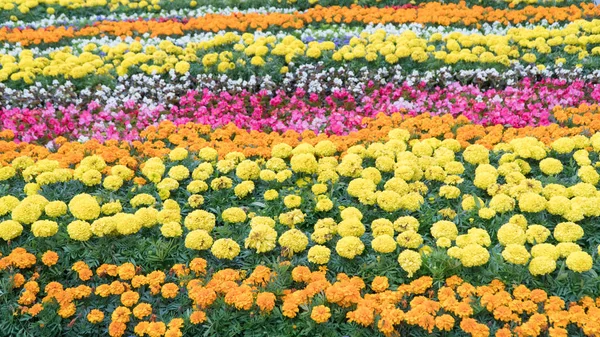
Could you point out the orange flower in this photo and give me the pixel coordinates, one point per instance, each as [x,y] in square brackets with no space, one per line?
[50,258]
[126,271]
[121,314]
[116,329]
[142,310]
[444,322]
[320,314]
[379,284]
[169,290]
[198,266]
[197,317]
[265,301]
[129,298]
[363,315]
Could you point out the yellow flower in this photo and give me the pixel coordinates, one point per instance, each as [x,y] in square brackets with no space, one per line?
[198,239]
[79,230]
[349,247]
[225,249]
[262,238]
[294,240]
[44,228]
[234,215]
[319,254]
[410,261]
[182,67]
[516,254]
[84,207]
[383,244]
[10,229]
[541,265]
[579,262]
[171,229]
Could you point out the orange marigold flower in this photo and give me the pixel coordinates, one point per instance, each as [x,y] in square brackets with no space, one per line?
[129,298]
[444,322]
[504,332]
[121,314]
[379,284]
[67,310]
[18,280]
[198,317]
[320,314]
[50,258]
[126,271]
[265,301]
[95,316]
[176,323]
[363,315]
[301,274]
[116,329]
[142,310]
[169,290]
[140,328]
[156,329]
[35,309]
[198,265]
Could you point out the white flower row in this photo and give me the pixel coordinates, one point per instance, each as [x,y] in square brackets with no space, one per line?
[67,20]
[154,90]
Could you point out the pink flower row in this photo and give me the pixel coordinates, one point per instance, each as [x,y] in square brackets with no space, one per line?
[523,104]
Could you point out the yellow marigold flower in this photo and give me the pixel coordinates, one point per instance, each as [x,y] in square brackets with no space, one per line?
[545,249]
[566,248]
[84,207]
[292,201]
[568,232]
[319,254]
[511,233]
[234,215]
[171,229]
[537,234]
[79,230]
[551,166]
[225,249]
[304,163]
[44,228]
[55,209]
[294,240]
[409,239]
[262,238]
[389,201]
[541,265]
[476,154]
[579,262]
[532,202]
[271,195]
[445,229]
[200,219]
[351,227]
[349,247]
[112,182]
[10,229]
[516,254]
[410,261]
[383,244]
[473,255]
[198,239]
